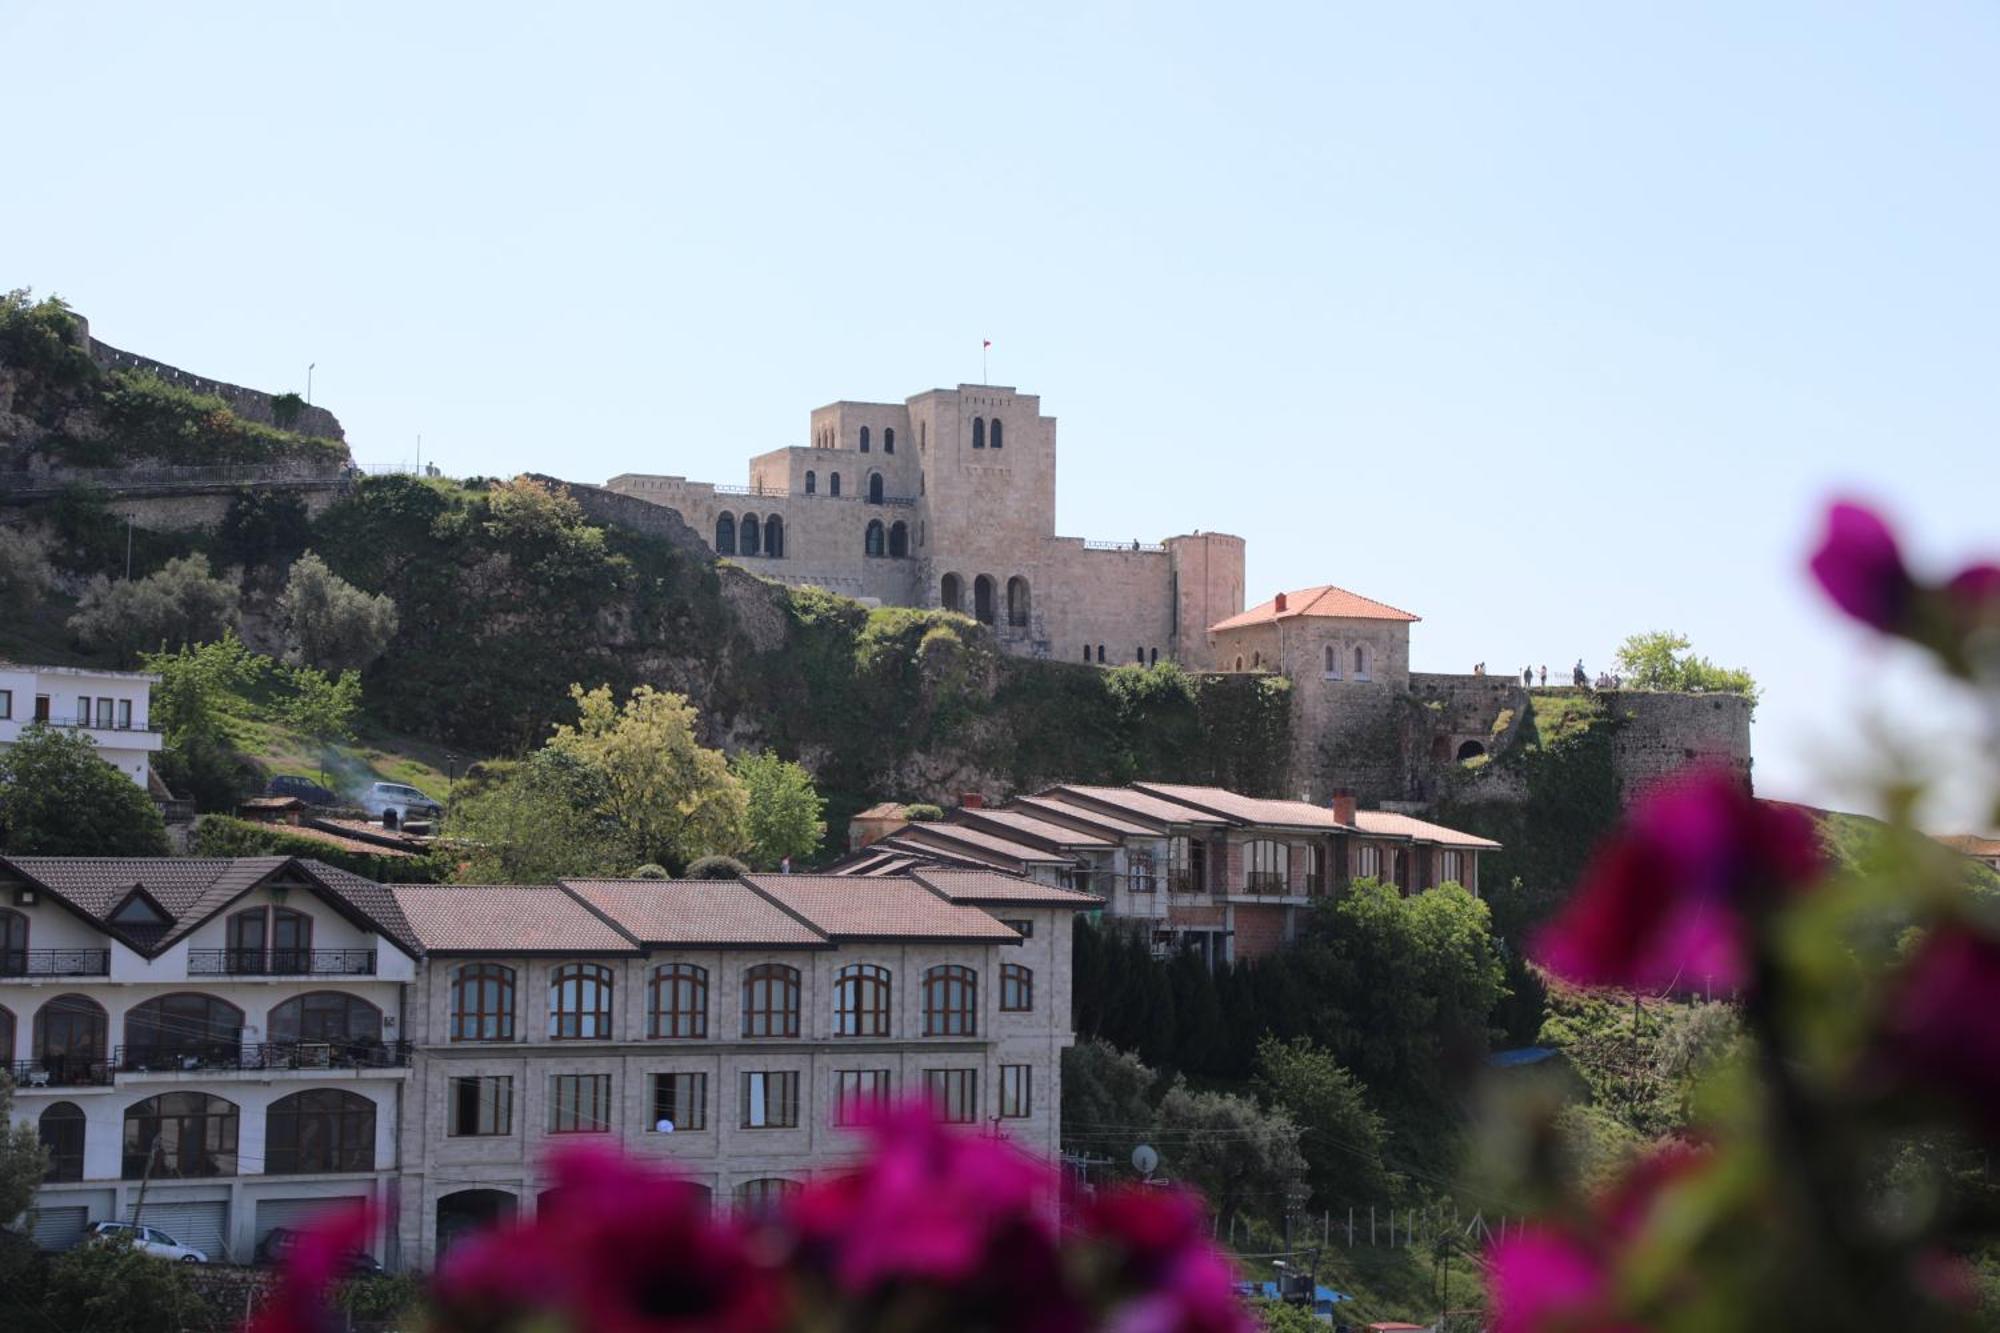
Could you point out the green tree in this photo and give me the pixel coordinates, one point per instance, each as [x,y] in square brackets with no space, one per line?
[262,530]
[110,1287]
[671,798]
[1343,1139]
[328,622]
[59,798]
[1107,1100]
[536,821]
[1239,1155]
[784,818]
[191,704]
[23,1161]
[1664,660]
[24,571]
[180,604]
[322,707]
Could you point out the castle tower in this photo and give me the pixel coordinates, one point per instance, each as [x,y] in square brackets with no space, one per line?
[1207,587]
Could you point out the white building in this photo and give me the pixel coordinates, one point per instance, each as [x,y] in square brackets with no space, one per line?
[210,1047]
[113,708]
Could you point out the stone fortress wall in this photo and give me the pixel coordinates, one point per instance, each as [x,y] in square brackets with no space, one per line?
[250,404]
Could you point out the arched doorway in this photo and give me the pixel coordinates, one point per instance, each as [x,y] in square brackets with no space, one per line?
[982,599]
[951,593]
[899,539]
[465,1212]
[1470,750]
[1017,601]
[874,488]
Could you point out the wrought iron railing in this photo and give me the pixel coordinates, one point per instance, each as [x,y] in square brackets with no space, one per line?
[55,962]
[87,724]
[197,1056]
[1264,881]
[281,962]
[1123,546]
[61,1071]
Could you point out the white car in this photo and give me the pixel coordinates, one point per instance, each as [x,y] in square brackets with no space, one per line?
[395,804]
[148,1240]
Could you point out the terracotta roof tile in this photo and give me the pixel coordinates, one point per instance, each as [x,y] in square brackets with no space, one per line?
[506,918]
[945,853]
[1135,802]
[372,900]
[1246,809]
[884,810]
[1054,805]
[1324,600]
[979,840]
[1408,826]
[693,912]
[1027,823]
[983,886]
[858,907]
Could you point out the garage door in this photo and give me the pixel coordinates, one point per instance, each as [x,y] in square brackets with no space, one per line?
[60,1228]
[295,1213]
[205,1226]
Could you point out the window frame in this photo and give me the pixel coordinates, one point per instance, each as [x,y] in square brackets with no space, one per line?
[863,1000]
[771,1001]
[951,1001]
[953,1094]
[66,1158]
[217,1125]
[1267,861]
[858,1092]
[1017,1092]
[501,1106]
[677,981]
[568,986]
[505,995]
[1017,983]
[345,1137]
[777,1087]
[571,1114]
[670,1081]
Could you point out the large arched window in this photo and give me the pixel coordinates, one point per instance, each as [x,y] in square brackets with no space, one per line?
[774,537]
[861,1001]
[725,534]
[677,1001]
[62,1128]
[864,439]
[951,593]
[812,482]
[1266,866]
[982,599]
[771,1001]
[874,488]
[1017,988]
[13,944]
[264,941]
[72,1035]
[996,432]
[979,432]
[184,1134]
[951,1001]
[188,1030]
[750,539]
[888,439]
[320,1129]
[871,543]
[580,1002]
[345,1021]
[482,1003]
[899,539]
[1017,602]
[833,483]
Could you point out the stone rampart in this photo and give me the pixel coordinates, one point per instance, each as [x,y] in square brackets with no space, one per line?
[250,404]
[1660,733]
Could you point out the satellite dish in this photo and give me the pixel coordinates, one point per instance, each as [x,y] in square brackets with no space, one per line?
[663,1126]
[1144,1160]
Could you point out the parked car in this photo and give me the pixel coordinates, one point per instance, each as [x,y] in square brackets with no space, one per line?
[396,804]
[304,788]
[146,1240]
[278,1242]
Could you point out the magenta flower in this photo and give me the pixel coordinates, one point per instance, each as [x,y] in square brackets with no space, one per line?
[1666,902]
[1861,569]
[1173,1278]
[1544,1279]
[316,1263]
[1941,1033]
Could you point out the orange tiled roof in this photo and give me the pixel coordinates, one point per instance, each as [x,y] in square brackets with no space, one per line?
[1418,830]
[1245,809]
[506,918]
[1324,600]
[857,907]
[989,888]
[694,912]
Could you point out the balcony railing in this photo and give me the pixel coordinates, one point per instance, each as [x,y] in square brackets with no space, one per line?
[197,1057]
[55,963]
[281,962]
[86,724]
[61,1071]
[1183,881]
[1264,881]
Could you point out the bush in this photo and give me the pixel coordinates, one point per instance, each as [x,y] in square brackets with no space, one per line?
[651,870]
[181,604]
[109,1287]
[147,418]
[923,813]
[715,867]
[330,623]
[24,570]
[58,798]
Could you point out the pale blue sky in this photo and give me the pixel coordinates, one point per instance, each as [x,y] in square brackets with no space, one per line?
[1548,322]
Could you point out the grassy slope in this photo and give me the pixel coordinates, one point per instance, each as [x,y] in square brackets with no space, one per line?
[1387,1282]
[375,755]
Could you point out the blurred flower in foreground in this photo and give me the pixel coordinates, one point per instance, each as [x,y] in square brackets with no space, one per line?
[1943,1030]
[1861,568]
[1159,1248]
[1663,903]
[316,1262]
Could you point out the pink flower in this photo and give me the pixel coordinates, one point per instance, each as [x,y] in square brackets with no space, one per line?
[1543,1279]
[1941,1033]
[1173,1278]
[1861,569]
[317,1261]
[1664,902]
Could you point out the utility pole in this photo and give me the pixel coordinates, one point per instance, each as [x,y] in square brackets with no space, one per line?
[145,1179]
[128,546]
[309,384]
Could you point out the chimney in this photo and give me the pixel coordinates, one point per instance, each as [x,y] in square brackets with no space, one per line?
[971,800]
[1281,603]
[1343,807]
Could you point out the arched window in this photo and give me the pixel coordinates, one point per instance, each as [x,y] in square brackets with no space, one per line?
[1265,866]
[951,1001]
[774,537]
[872,541]
[346,1021]
[725,535]
[1017,602]
[61,1129]
[6,1036]
[874,488]
[320,1129]
[951,593]
[899,539]
[1361,661]
[1333,661]
[1017,988]
[979,432]
[1100,654]
[13,944]
[888,439]
[833,483]
[771,1001]
[996,432]
[1256,660]
[812,482]
[982,599]
[923,436]
[677,1001]
[750,541]
[72,1035]
[266,941]
[580,1002]
[1152,657]
[1239,661]
[183,1134]
[764,1196]
[864,439]
[482,1003]
[1086,652]
[183,1031]
[861,1001]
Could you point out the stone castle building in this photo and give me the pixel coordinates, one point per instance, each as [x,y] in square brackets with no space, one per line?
[948,500]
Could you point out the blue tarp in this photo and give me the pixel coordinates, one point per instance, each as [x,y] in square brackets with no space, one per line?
[1523,1055]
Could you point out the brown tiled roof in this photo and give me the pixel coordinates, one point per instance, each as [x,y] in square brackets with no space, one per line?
[272,803]
[884,810]
[372,900]
[1246,809]
[694,912]
[1382,822]
[367,847]
[1027,823]
[979,840]
[1133,801]
[1323,600]
[1971,844]
[1055,805]
[985,887]
[506,918]
[861,908]
[935,852]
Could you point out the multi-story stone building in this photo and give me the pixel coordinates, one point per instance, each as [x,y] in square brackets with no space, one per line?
[113,708]
[948,500]
[1199,867]
[209,1047]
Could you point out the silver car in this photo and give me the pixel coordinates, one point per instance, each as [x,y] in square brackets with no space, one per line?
[147,1240]
[395,804]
